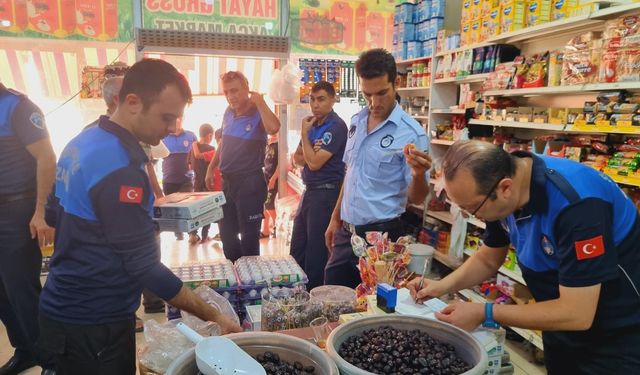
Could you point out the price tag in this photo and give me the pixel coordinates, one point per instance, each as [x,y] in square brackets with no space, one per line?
[624,123]
[603,123]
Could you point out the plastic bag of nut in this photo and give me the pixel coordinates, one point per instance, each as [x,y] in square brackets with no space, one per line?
[288,308]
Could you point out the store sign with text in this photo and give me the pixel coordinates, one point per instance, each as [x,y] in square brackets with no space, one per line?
[256,17]
[102,20]
[342,26]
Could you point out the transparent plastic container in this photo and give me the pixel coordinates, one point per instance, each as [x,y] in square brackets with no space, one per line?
[336,300]
[288,308]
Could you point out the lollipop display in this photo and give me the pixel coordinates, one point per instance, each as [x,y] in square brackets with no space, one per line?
[382,261]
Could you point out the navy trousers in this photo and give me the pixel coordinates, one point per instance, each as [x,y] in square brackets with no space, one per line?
[307,241]
[20,264]
[243,213]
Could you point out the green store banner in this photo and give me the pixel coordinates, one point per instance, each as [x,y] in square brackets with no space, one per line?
[343,27]
[102,20]
[256,17]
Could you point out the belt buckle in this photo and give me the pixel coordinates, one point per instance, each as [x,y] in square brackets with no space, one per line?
[350,227]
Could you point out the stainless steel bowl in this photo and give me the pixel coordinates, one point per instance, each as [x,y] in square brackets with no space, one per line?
[467,347]
[289,348]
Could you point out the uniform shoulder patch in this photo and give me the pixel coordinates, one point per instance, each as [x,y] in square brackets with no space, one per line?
[37,120]
[130,194]
[326,138]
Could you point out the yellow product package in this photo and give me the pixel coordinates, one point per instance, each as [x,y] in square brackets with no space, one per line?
[484,28]
[476,26]
[486,6]
[466,11]
[495,16]
[512,16]
[562,9]
[538,12]
[465,34]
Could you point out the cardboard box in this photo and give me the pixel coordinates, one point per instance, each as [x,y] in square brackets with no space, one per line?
[254,317]
[465,34]
[187,205]
[476,6]
[562,9]
[466,11]
[476,28]
[188,225]
[538,12]
[513,14]
[495,17]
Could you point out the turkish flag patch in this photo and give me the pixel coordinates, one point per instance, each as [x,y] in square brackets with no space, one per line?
[591,248]
[130,194]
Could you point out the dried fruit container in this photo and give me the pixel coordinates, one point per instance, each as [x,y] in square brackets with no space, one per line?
[288,308]
[289,348]
[467,347]
[336,300]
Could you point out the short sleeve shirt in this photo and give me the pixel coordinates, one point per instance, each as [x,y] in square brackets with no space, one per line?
[21,124]
[333,134]
[243,142]
[175,167]
[378,176]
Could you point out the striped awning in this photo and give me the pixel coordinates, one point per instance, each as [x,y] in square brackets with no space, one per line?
[203,72]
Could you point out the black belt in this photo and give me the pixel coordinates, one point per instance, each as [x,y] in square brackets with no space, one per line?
[382,226]
[323,187]
[6,198]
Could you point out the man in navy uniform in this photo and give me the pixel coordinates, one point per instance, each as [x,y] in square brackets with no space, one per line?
[380,176]
[106,249]
[322,174]
[177,173]
[245,126]
[576,237]
[27,164]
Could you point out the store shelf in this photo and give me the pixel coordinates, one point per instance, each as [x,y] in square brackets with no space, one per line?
[627,180]
[448,218]
[420,117]
[520,125]
[562,90]
[424,90]
[466,79]
[513,275]
[295,183]
[528,335]
[411,61]
[456,111]
[444,142]
[447,261]
[460,49]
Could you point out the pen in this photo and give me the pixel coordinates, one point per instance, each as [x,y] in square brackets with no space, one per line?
[424,271]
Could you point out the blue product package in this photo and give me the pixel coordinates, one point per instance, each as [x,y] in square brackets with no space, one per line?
[422,32]
[489,59]
[395,34]
[406,32]
[414,50]
[426,9]
[403,51]
[478,60]
[428,47]
[435,24]
[406,12]
[437,8]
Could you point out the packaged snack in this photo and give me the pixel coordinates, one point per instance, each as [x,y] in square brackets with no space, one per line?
[581,60]
[465,34]
[484,28]
[478,60]
[466,11]
[475,9]
[562,9]
[538,12]
[495,17]
[626,29]
[537,72]
[475,31]
[628,67]
[521,70]
[512,16]
[555,68]
[609,66]
[486,6]
[489,60]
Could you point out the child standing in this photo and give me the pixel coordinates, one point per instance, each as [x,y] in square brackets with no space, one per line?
[201,155]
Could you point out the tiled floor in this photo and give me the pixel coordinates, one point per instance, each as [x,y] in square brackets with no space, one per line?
[177,252]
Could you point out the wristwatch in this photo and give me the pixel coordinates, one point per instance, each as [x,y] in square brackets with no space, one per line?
[488,317]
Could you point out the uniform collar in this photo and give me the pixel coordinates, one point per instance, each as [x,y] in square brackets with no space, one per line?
[395,117]
[538,200]
[130,143]
[327,119]
[251,112]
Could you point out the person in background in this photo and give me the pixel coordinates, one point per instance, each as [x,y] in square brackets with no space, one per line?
[322,174]
[245,126]
[381,176]
[106,249]
[27,165]
[200,151]
[177,175]
[271,176]
[576,238]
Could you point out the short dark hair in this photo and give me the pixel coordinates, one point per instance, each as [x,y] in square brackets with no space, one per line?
[149,77]
[485,161]
[376,63]
[205,130]
[230,76]
[324,85]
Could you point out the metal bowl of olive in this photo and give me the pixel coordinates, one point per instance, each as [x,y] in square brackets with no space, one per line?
[404,344]
[277,353]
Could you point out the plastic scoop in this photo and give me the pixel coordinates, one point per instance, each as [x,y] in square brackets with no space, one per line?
[218,355]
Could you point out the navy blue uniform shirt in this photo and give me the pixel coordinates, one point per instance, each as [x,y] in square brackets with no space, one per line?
[333,133]
[175,167]
[106,247]
[243,142]
[581,234]
[21,124]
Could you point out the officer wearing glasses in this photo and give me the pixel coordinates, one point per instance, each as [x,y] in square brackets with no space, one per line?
[575,234]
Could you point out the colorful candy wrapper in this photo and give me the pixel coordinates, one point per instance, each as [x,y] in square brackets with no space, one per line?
[372,253]
[358,244]
[404,240]
[373,237]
